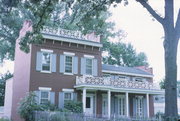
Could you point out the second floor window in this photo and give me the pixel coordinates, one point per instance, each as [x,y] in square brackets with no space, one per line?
[46,61]
[89,66]
[68,64]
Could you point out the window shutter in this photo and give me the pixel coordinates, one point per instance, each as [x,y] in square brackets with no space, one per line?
[134,106]
[62,65]
[75,96]
[53,63]
[61,99]
[75,65]
[38,61]
[116,106]
[95,67]
[37,93]
[112,105]
[52,97]
[83,66]
[144,107]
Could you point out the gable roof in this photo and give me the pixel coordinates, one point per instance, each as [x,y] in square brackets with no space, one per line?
[125,70]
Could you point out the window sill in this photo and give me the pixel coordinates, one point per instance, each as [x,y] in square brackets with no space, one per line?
[68,74]
[45,71]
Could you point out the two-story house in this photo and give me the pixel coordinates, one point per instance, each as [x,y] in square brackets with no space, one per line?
[68,66]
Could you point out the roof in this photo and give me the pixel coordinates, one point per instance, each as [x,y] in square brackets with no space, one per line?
[125,70]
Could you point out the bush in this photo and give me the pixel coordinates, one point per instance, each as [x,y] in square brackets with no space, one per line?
[27,106]
[73,106]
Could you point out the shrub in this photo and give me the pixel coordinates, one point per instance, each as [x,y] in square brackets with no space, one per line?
[27,106]
[73,106]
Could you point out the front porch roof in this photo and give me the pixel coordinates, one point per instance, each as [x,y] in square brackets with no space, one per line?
[100,83]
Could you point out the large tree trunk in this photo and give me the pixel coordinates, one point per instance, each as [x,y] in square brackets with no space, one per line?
[170,47]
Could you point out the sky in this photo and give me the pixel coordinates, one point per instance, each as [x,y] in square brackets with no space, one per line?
[143,32]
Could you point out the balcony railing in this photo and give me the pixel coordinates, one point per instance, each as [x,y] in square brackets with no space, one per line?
[70,33]
[118,83]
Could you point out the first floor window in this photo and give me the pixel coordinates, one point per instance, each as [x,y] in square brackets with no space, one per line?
[139,106]
[68,64]
[67,96]
[46,61]
[89,66]
[121,106]
[44,97]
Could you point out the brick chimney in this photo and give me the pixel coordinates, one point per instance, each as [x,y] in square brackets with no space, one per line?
[146,69]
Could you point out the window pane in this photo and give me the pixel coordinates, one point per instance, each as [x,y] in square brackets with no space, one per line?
[46,61]
[89,66]
[88,102]
[68,64]
[44,94]
[44,97]
[67,96]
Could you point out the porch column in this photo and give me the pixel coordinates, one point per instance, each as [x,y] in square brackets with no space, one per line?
[147,99]
[84,100]
[109,103]
[127,104]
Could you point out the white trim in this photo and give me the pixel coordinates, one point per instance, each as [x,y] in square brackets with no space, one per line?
[66,73]
[46,50]
[77,41]
[124,73]
[69,53]
[50,70]
[114,89]
[89,56]
[67,90]
[45,88]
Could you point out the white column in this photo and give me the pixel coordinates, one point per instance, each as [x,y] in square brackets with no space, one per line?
[127,104]
[147,99]
[109,103]
[84,100]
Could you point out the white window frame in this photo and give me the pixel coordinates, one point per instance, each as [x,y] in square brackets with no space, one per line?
[49,52]
[139,108]
[122,109]
[71,55]
[92,67]
[68,91]
[44,89]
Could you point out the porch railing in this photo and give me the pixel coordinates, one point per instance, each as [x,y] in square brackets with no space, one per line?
[118,83]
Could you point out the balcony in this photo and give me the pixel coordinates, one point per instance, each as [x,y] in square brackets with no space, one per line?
[118,84]
[70,34]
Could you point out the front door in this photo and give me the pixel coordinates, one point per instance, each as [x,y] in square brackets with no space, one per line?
[89,105]
[104,106]
[121,106]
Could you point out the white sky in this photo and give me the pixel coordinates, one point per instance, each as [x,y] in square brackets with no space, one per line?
[144,34]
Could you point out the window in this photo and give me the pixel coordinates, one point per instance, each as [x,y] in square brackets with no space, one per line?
[88,105]
[139,106]
[89,66]
[139,79]
[46,61]
[68,64]
[67,96]
[44,97]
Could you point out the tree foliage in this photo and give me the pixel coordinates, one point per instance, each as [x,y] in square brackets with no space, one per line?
[3,79]
[123,55]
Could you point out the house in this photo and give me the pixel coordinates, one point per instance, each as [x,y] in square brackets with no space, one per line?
[68,66]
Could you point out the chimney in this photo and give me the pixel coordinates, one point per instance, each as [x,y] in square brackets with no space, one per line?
[146,69]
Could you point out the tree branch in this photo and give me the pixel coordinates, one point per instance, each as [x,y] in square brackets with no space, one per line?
[151,11]
[177,26]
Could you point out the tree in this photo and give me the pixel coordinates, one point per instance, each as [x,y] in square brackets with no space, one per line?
[3,79]
[60,16]
[123,55]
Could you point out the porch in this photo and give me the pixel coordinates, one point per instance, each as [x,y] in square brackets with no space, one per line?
[107,98]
